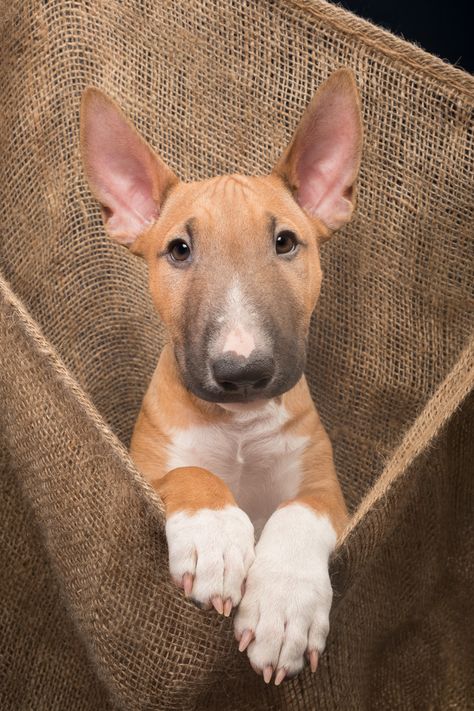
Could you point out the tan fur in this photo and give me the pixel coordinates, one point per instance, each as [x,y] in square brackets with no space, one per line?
[231,215]
[228,434]
[319,487]
[237,239]
[192,488]
[169,405]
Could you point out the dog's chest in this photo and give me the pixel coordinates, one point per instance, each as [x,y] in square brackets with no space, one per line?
[260,463]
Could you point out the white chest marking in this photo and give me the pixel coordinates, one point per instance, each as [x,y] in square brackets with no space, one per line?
[259,463]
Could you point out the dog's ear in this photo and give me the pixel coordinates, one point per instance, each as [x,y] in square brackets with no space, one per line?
[125,175]
[321,163]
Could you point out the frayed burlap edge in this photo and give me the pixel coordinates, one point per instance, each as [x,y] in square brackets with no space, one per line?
[448,397]
[384,42]
[353,550]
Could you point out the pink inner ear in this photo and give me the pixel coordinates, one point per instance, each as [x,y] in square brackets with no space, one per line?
[128,198]
[120,168]
[328,159]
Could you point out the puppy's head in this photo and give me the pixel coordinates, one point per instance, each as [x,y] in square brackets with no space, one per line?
[233,261]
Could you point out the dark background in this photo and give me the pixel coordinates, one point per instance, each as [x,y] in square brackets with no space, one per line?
[442,28]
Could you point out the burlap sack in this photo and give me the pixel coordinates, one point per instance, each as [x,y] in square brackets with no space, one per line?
[88,617]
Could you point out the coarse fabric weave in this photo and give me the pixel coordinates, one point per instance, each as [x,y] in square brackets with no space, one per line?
[89,619]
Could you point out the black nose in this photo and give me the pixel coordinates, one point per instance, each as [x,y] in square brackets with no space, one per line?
[233,372]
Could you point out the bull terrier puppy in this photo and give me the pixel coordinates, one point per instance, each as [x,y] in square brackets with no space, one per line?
[228,434]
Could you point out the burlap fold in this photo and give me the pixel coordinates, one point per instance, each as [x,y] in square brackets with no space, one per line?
[88,617]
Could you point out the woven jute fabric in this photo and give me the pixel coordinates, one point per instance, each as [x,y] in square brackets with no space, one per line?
[89,619]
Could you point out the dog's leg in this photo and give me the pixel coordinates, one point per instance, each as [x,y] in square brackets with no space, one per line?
[284,615]
[210,539]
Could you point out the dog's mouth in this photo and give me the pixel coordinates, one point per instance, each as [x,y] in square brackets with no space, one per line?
[221,396]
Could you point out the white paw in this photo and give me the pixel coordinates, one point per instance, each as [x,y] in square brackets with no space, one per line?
[210,553]
[284,615]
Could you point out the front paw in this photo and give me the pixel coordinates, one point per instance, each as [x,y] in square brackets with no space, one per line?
[210,552]
[284,615]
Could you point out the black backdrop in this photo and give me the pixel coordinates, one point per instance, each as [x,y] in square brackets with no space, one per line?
[443,28]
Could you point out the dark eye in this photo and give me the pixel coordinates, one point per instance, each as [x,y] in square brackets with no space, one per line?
[179,251]
[285,242]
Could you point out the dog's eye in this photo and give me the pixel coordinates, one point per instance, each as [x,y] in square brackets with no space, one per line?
[179,251]
[285,242]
